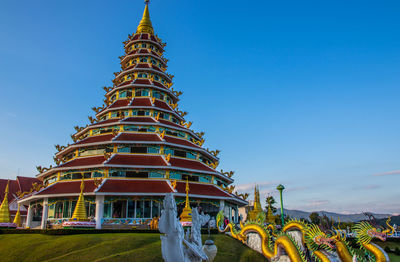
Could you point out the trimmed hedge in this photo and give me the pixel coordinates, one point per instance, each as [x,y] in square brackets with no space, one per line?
[86,231]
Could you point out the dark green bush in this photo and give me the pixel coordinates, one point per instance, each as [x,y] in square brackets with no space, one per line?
[397,251]
[387,249]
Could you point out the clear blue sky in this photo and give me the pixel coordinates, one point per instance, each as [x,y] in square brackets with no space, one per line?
[304,93]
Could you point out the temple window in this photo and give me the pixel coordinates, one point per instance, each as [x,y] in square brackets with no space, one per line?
[156,175]
[147,209]
[136,46]
[155,209]
[153,150]
[119,209]
[137,174]
[144,45]
[142,75]
[139,149]
[179,153]
[143,60]
[190,178]
[153,61]
[205,179]
[151,47]
[139,209]
[113,97]
[142,92]
[175,175]
[131,208]
[191,155]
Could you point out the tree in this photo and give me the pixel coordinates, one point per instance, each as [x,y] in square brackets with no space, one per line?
[270,201]
[315,218]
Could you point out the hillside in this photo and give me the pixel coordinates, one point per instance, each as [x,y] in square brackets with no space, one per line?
[344,218]
[143,247]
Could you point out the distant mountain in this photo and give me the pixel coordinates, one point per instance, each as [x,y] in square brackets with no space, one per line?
[344,218]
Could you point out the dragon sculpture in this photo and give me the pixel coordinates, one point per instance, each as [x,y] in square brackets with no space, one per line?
[283,243]
[365,232]
[297,238]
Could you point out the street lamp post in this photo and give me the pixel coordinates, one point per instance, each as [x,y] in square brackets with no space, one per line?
[280,188]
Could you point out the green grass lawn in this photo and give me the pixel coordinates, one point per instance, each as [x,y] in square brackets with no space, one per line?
[106,247]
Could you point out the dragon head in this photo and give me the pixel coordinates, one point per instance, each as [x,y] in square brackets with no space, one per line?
[316,239]
[366,232]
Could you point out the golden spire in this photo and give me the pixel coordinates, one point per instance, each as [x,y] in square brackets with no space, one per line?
[4,209]
[80,209]
[252,215]
[17,219]
[145,25]
[186,215]
[270,216]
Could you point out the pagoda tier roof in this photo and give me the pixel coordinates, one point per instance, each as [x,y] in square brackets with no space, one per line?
[120,103]
[141,101]
[133,186]
[190,164]
[135,53]
[83,162]
[136,138]
[95,139]
[154,85]
[145,161]
[136,161]
[144,36]
[138,121]
[142,67]
[163,105]
[151,187]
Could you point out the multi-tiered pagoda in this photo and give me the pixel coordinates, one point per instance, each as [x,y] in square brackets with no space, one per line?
[136,149]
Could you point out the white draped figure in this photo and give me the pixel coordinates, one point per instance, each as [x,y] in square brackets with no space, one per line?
[174,246]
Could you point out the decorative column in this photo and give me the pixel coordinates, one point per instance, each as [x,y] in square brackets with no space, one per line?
[29,217]
[280,188]
[99,210]
[44,213]
[236,214]
[222,206]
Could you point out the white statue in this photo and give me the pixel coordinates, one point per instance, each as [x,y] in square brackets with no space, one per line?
[174,246]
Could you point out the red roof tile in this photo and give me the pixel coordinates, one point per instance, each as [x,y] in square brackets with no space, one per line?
[142,66]
[144,36]
[143,51]
[162,104]
[162,121]
[143,101]
[140,119]
[85,161]
[13,188]
[201,189]
[25,183]
[125,83]
[135,186]
[142,82]
[138,137]
[158,84]
[189,164]
[107,121]
[153,38]
[137,160]
[178,141]
[135,37]
[120,103]
[68,188]
[95,139]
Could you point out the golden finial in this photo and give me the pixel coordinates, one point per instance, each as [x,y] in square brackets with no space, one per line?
[80,209]
[186,215]
[17,219]
[145,25]
[4,209]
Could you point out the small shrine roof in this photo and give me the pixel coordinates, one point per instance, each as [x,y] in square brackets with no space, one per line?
[135,186]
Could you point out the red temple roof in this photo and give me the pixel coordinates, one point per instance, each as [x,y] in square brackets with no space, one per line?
[23,184]
[84,161]
[141,101]
[137,137]
[142,82]
[140,119]
[68,187]
[201,189]
[162,104]
[142,66]
[136,160]
[178,141]
[165,122]
[189,164]
[95,139]
[135,186]
[120,103]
